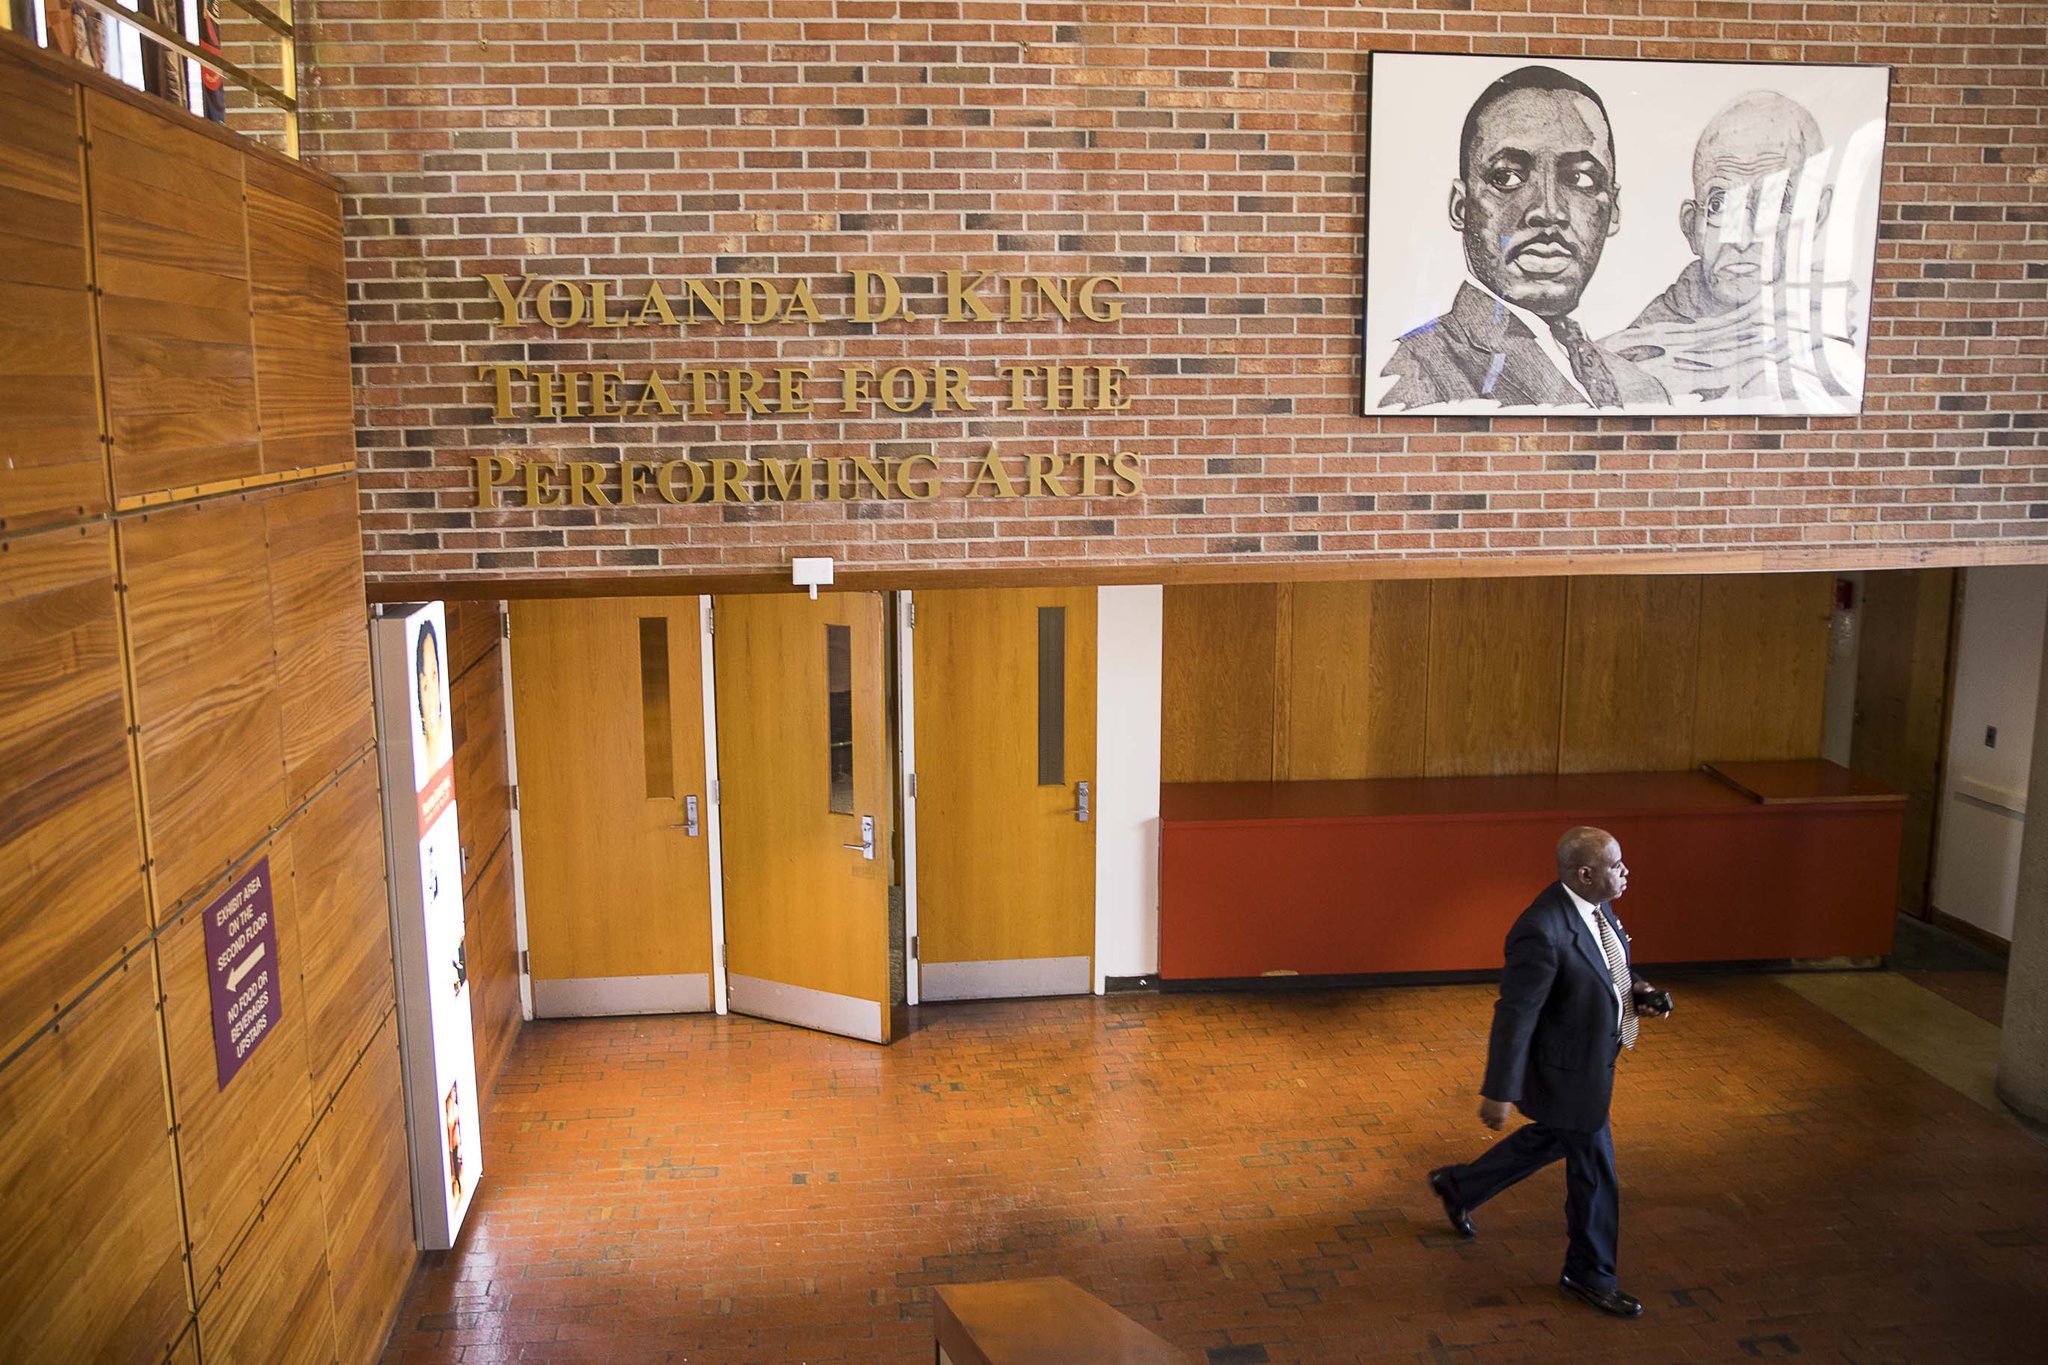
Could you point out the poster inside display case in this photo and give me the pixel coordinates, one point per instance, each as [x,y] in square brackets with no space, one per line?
[415,737]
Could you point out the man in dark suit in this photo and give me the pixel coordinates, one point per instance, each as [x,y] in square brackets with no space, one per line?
[1535,201]
[1568,1007]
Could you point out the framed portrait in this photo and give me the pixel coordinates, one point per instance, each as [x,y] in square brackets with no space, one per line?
[1588,237]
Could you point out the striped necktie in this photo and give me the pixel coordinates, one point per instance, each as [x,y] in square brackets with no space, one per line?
[1624,984]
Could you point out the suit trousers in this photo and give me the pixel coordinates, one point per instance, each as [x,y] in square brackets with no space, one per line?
[1592,1197]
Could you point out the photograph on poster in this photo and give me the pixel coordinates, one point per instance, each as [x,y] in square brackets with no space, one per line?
[1643,237]
[433,740]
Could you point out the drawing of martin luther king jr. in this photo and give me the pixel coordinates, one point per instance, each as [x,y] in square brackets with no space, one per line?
[1535,201]
[1752,316]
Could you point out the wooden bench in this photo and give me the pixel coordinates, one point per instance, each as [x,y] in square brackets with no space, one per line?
[1047,1321]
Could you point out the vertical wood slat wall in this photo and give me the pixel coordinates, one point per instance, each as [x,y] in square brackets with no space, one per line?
[1464,677]
[483,797]
[184,689]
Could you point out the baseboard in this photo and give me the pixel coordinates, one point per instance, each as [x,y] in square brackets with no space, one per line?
[1969,933]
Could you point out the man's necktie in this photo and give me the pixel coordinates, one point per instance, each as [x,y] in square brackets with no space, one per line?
[1624,983]
[1587,363]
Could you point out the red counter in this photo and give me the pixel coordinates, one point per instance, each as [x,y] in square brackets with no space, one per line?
[1765,861]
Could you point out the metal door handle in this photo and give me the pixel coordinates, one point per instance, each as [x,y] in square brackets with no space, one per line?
[689,820]
[1079,810]
[867,838]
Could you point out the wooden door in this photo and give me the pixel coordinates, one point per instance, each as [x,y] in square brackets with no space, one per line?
[1901,716]
[1004,683]
[608,717]
[806,810]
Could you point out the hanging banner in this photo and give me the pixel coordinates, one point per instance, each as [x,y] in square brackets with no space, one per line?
[415,739]
[241,969]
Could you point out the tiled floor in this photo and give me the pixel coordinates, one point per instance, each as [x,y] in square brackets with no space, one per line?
[1243,1172]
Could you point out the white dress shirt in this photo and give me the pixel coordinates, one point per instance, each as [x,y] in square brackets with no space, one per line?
[1590,913]
[1552,349]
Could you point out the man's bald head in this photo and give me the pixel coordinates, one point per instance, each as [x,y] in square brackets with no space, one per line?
[1589,862]
[1746,173]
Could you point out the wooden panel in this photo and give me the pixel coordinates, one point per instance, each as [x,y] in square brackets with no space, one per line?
[1217,694]
[1763,666]
[612,887]
[273,1303]
[90,1264]
[234,1143]
[323,649]
[483,789]
[473,628]
[200,629]
[172,259]
[344,924]
[51,467]
[1631,655]
[71,888]
[301,319]
[1496,650]
[1902,674]
[493,946]
[366,1193]
[1005,871]
[1357,680]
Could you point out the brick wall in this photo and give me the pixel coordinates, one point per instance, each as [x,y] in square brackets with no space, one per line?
[1209,155]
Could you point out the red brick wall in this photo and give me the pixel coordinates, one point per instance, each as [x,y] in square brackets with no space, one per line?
[1210,156]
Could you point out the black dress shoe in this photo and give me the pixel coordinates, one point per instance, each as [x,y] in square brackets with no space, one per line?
[1461,1219]
[1606,1300]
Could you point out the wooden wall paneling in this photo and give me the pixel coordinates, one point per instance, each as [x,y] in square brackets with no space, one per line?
[1901,721]
[186,1352]
[1218,690]
[366,1193]
[200,634]
[473,629]
[493,947]
[91,1261]
[1763,666]
[51,466]
[344,925]
[273,1303]
[1496,651]
[483,788]
[171,256]
[1358,680]
[1631,658]
[72,895]
[299,296]
[233,1144]
[323,649]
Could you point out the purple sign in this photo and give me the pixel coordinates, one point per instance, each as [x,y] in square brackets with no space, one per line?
[241,965]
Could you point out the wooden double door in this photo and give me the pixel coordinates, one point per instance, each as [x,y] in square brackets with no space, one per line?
[755,863]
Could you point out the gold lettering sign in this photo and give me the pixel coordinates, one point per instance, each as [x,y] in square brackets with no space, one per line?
[529,393]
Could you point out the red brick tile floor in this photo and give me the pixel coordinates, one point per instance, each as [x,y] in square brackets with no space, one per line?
[1243,1173]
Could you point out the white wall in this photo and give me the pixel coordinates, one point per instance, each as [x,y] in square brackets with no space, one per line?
[1130,625]
[1997,672]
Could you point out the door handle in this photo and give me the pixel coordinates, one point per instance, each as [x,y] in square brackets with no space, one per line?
[1079,810]
[867,838]
[689,820]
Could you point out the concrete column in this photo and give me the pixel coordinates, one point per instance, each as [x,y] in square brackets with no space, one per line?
[2023,1045]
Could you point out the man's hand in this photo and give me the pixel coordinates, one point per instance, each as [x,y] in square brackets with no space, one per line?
[1494,1113]
[1642,991]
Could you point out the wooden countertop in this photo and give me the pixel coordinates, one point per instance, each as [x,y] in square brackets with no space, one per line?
[1576,796]
[1048,1321]
[1801,782]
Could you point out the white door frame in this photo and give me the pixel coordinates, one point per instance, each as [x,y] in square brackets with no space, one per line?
[713,825]
[512,786]
[906,738]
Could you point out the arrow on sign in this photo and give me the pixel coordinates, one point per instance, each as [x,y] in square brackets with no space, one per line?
[244,967]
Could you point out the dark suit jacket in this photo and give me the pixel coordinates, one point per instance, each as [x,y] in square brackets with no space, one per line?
[1481,350]
[1555,1036]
